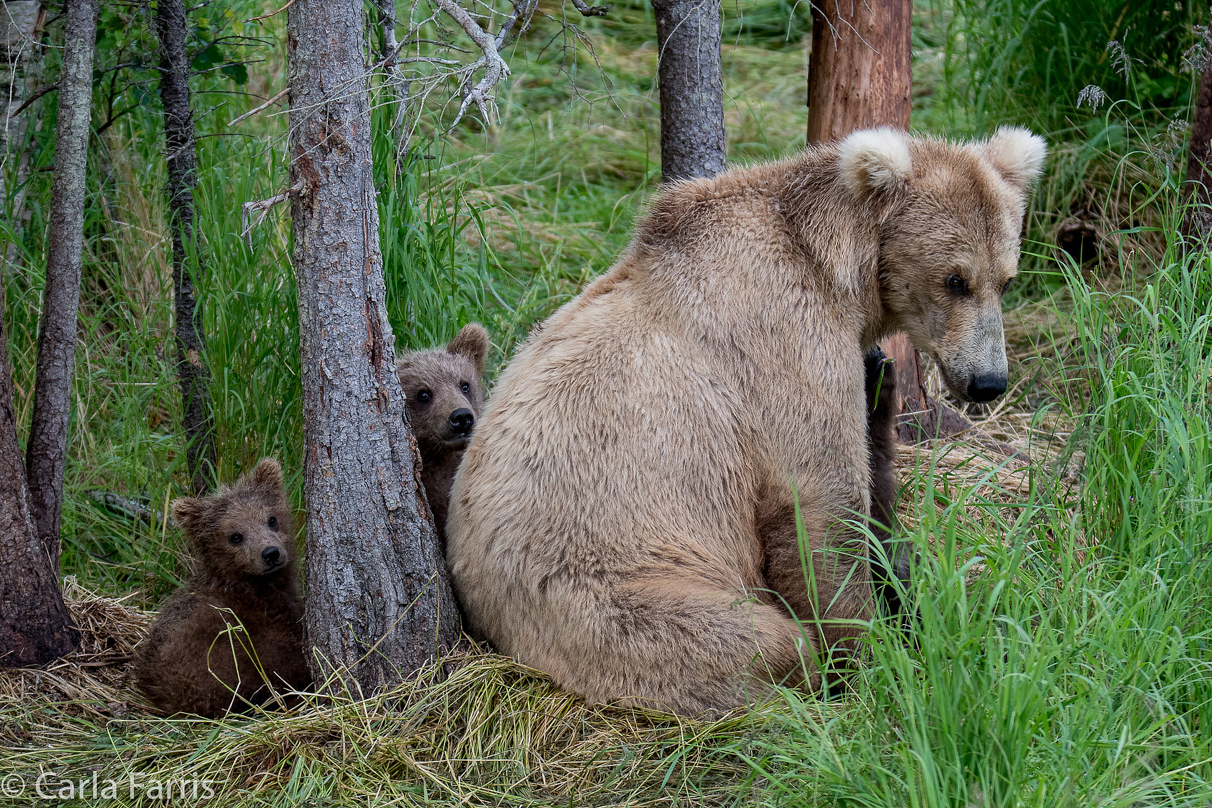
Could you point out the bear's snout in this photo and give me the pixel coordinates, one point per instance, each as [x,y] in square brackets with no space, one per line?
[462,420]
[986,386]
[271,556]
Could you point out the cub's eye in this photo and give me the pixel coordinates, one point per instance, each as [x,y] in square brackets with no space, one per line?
[1006,286]
[424,396]
[273,523]
[236,538]
[465,387]
[956,285]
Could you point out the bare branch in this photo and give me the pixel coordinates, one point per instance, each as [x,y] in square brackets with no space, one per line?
[494,66]
[263,206]
[588,10]
[270,14]
[277,96]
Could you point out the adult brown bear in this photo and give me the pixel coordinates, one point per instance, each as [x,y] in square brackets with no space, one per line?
[625,519]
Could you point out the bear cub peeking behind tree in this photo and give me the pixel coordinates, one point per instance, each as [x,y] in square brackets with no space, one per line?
[243,537]
[444,400]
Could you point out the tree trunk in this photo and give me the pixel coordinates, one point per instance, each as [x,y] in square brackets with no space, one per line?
[1198,221]
[859,72]
[35,626]
[379,601]
[181,157]
[46,453]
[693,143]
[860,76]
[20,51]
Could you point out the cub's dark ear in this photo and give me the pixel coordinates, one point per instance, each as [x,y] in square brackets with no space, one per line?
[267,474]
[189,514]
[471,342]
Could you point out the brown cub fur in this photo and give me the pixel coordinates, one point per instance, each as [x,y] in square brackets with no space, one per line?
[891,563]
[445,398]
[626,518]
[243,538]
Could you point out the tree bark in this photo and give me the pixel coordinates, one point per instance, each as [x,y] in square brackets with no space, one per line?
[35,626]
[20,51]
[46,453]
[860,69]
[1198,221]
[379,601]
[690,75]
[181,156]
[860,76]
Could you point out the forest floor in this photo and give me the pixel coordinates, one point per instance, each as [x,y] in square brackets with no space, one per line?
[1063,652]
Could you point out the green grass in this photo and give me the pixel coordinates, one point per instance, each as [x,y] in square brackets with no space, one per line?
[1064,653]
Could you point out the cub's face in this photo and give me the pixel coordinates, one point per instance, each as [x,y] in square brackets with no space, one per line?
[245,531]
[252,537]
[442,387]
[950,250]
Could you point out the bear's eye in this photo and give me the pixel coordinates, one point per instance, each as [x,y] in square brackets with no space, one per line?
[465,387]
[236,538]
[424,397]
[273,523]
[957,285]
[1006,285]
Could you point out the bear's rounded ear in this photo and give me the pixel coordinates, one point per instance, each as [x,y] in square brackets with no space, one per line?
[472,342]
[874,160]
[267,474]
[1016,154]
[189,513]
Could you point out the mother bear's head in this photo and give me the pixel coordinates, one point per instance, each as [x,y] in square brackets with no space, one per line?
[951,217]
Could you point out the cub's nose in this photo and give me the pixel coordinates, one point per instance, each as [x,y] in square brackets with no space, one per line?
[462,420]
[271,555]
[986,387]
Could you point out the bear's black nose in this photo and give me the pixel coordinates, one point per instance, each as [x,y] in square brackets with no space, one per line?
[270,555]
[461,420]
[986,387]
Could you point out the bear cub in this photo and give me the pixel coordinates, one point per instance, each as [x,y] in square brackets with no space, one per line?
[880,383]
[445,398]
[243,539]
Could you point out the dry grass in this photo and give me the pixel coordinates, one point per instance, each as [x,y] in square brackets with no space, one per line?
[90,682]
[477,729]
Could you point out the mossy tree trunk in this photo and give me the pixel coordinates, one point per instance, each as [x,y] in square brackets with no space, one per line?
[181,158]
[379,602]
[693,142]
[46,454]
[35,626]
[860,76]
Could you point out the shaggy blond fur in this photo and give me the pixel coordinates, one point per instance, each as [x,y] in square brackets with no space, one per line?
[625,519]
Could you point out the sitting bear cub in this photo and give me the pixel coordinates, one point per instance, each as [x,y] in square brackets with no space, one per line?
[444,400]
[244,539]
